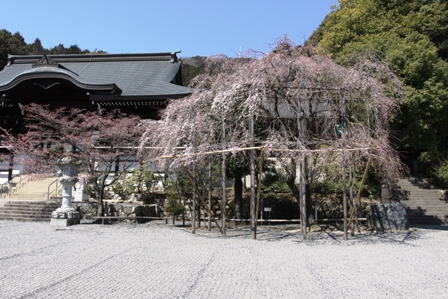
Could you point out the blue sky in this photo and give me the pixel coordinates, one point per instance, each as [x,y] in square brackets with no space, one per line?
[197,27]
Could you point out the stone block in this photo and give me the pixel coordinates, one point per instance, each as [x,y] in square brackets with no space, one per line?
[389,217]
[61,222]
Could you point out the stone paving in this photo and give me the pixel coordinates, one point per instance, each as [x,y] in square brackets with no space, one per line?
[155,260]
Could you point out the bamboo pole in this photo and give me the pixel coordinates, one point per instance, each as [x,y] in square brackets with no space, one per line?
[190,178]
[359,191]
[240,149]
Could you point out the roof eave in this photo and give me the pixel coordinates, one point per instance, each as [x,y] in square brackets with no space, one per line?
[61,58]
[113,88]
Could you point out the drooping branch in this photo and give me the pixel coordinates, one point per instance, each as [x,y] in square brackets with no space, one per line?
[301,104]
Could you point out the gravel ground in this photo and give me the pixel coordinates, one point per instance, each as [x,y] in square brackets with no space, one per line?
[155,260]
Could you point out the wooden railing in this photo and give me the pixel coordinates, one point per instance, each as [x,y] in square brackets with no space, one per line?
[23,179]
[9,187]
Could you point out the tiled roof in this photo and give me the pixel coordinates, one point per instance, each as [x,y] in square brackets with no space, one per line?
[128,75]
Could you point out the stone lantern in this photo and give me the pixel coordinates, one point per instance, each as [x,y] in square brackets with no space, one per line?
[67,171]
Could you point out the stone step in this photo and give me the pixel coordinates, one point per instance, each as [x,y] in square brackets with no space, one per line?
[30,203]
[28,196]
[26,219]
[426,205]
[425,195]
[426,219]
[22,215]
[439,204]
[435,193]
[27,210]
[423,202]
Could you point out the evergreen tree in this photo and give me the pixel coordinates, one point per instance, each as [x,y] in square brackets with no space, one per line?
[412,37]
[11,43]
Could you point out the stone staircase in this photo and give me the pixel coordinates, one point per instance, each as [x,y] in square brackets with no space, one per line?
[424,203]
[28,210]
[27,199]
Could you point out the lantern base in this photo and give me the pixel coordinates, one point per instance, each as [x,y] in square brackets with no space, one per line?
[65,217]
[58,222]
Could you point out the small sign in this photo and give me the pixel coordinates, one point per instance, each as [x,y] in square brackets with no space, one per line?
[267,209]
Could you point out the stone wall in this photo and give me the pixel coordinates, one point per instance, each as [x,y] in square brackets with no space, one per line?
[88,210]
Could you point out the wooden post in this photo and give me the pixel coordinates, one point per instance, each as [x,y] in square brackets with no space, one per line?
[351,182]
[303,220]
[354,198]
[359,190]
[252,179]
[223,183]
[193,220]
[223,201]
[190,178]
[344,196]
[209,195]
[257,210]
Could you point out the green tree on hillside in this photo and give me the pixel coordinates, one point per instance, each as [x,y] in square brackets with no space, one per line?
[36,48]
[412,37]
[191,67]
[14,44]
[11,43]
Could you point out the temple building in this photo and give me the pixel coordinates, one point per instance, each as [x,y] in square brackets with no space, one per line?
[138,84]
[135,83]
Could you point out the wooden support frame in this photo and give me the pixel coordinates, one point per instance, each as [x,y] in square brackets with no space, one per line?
[190,178]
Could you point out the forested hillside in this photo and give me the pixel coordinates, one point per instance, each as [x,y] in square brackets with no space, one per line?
[191,67]
[412,37]
[15,44]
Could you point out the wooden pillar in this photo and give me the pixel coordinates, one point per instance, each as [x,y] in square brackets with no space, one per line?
[303,220]
[193,214]
[344,196]
[252,179]
[209,195]
[351,175]
[257,209]
[223,182]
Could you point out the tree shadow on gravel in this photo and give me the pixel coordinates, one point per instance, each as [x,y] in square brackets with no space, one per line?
[336,236]
[318,235]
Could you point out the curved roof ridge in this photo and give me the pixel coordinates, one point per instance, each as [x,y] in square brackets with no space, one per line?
[61,58]
[52,72]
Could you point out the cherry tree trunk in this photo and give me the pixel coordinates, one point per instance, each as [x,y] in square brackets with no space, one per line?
[238,192]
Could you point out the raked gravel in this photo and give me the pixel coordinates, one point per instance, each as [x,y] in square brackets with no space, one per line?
[155,260]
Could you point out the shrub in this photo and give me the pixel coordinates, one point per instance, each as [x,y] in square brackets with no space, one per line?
[440,174]
[174,207]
